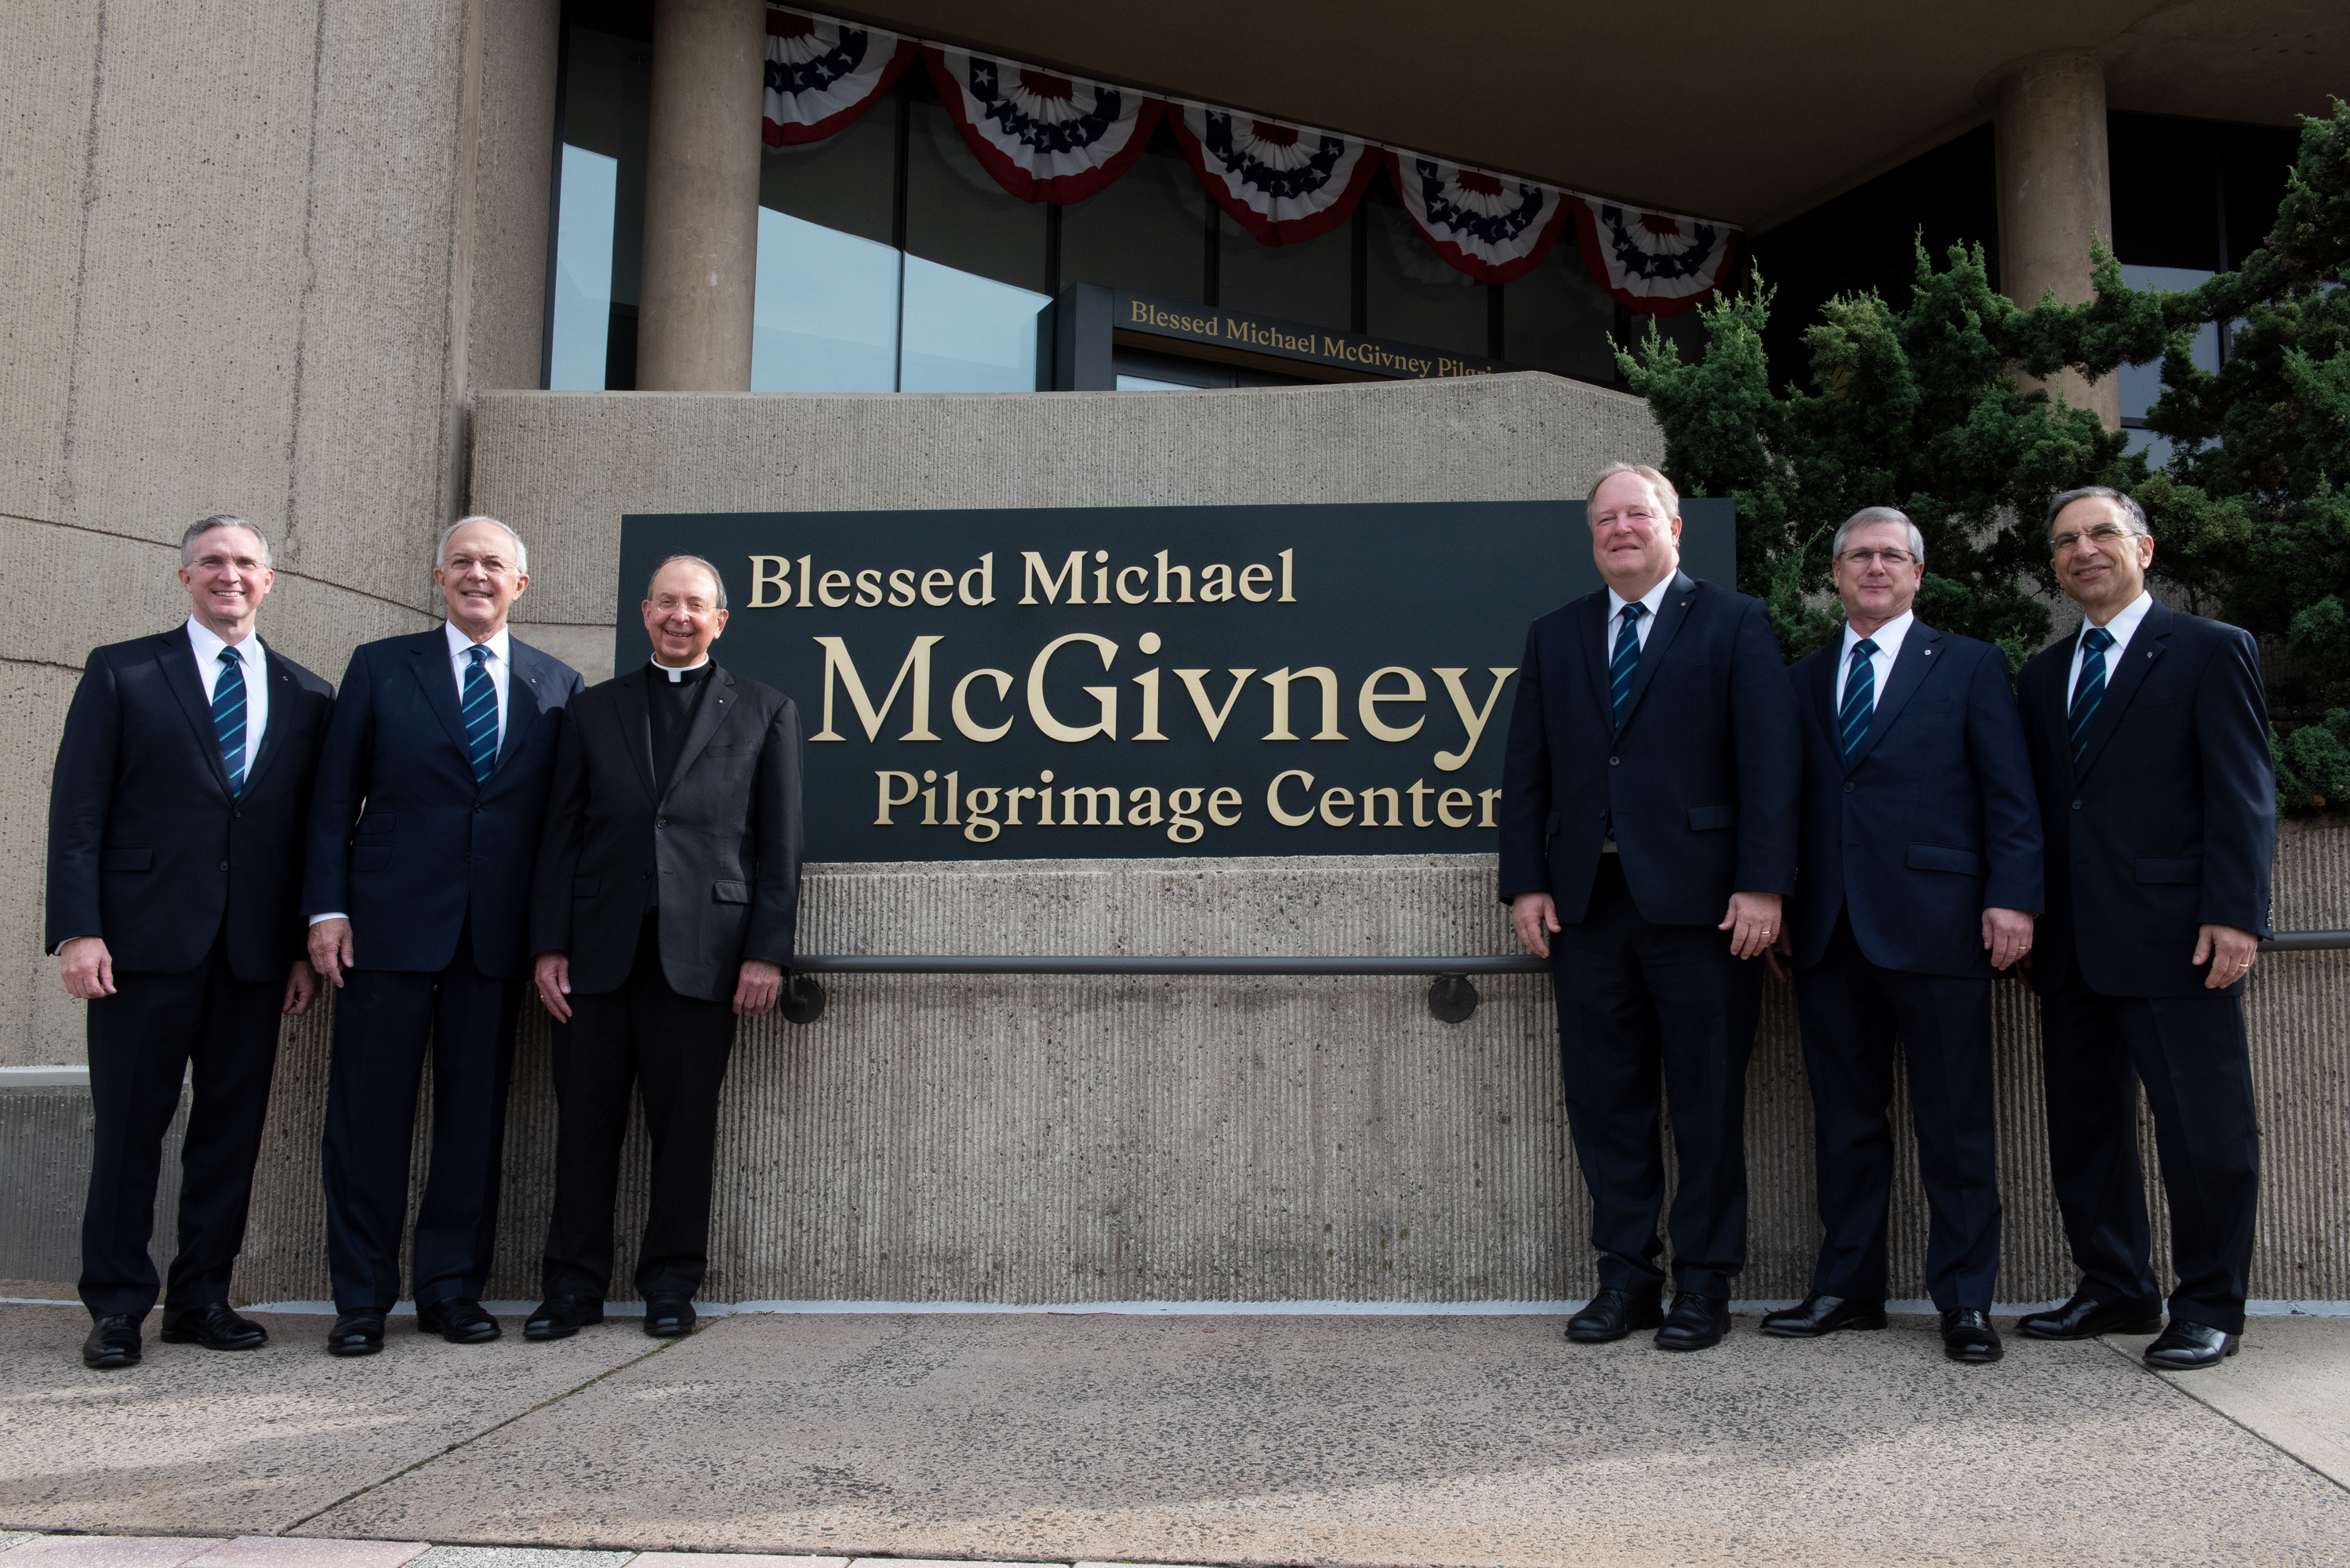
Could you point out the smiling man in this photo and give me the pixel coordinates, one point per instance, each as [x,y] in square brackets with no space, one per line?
[1647,836]
[422,836]
[175,854]
[664,909]
[2149,743]
[1919,877]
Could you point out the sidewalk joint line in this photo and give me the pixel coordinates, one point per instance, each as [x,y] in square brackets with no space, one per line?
[2173,1384]
[550,1401]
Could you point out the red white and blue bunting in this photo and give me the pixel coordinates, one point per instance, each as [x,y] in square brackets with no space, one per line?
[1495,230]
[1655,262]
[1045,137]
[823,74]
[1283,184]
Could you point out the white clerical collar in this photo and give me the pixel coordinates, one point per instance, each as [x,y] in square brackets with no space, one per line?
[679,672]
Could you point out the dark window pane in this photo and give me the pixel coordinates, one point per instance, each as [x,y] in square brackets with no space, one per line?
[1310,282]
[1414,296]
[2165,186]
[841,182]
[606,97]
[1146,234]
[957,215]
[1557,318]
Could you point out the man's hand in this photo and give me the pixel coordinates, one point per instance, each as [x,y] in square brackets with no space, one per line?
[756,989]
[2007,936]
[1753,922]
[301,988]
[86,967]
[331,949]
[551,977]
[2230,951]
[1535,916]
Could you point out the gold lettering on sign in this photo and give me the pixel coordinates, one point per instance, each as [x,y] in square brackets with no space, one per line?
[837,662]
[1471,719]
[1105,695]
[770,572]
[1279,681]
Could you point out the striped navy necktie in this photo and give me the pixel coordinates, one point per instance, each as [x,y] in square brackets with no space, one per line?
[478,705]
[1627,657]
[2091,688]
[1859,697]
[228,717]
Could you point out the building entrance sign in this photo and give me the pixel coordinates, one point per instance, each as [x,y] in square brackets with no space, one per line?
[1140,681]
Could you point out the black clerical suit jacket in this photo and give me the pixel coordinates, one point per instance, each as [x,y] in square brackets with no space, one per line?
[1700,780]
[2169,824]
[719,848]
[147,847]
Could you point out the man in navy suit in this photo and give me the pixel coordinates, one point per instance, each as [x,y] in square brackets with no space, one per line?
[2150,744]
[422,836]
[175,854]
[1920,878]
[1648,805]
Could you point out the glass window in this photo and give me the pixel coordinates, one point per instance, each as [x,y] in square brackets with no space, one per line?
[581,328]
[957,215]
[844,182]
[2141,385]
[965,333]
[1411,294]
[1313,283]
[1145,384]
[1146,234]
[827,312]
[1557,319]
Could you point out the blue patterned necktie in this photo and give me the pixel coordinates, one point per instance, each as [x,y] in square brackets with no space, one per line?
[1628,656]
[1859,698]
[478,705]
[228,718]
[2091,691]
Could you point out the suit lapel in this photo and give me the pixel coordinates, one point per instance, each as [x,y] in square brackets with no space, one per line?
[177,656]
[1823,698]
[637,727]
[1672,614]
[1590,629]
[525,666]
[281,713]
[1910,667]
[429,657]
[2124,676]
[708,714]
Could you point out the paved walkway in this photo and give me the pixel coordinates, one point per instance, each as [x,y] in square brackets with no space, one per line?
[1227,1440]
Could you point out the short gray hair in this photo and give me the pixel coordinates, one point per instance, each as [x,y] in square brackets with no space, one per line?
[522,551]
[204,525]
[1870,515]
[2128,504]
[691,561]
[1664,487]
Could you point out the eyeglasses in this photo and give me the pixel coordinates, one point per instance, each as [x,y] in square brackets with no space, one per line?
[2101,536]
[1862,557]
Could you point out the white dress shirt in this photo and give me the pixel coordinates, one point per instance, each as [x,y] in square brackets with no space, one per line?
[461,658]
[1640,629]
[1887,639]
[256,679]
[2124,623]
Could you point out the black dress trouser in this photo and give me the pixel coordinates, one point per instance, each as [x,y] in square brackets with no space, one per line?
[384,1021]
[2191,1054]
[143,1041]
[1641,1004]
[1851,1012]
[672,1049]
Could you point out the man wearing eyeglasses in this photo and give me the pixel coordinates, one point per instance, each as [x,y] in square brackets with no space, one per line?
[2149,743]
[1647,837]
[1919,876]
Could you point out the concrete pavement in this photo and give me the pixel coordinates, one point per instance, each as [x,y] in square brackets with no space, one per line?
[1259,1440]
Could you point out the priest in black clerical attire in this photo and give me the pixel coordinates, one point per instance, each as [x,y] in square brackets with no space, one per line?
[663,907]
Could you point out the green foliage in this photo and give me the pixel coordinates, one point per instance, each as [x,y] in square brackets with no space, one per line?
[2312,765]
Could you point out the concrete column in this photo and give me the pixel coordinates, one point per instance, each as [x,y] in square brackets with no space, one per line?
[2055,196]
[701,196]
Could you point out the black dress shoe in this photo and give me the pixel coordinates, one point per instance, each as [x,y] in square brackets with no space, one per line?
[1612,1314]
[356,1334]
[1695,1323]
[560,1317]
[668,1317]
[1968,1336]
[1822,1314]
[2186,1346]
[459,1320]
[112,1344]
[214,1327]
[2086,1318]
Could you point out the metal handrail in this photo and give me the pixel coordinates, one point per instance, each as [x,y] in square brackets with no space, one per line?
[1450,996]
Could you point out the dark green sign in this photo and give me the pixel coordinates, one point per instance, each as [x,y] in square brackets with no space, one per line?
[1130,681]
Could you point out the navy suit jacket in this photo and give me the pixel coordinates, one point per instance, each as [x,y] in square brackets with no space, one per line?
[432,845]
[1699,781]
[2169,821]
[1931,822]
[147,847]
